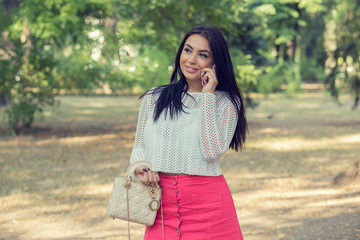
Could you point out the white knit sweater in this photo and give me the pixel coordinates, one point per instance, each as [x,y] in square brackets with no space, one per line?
[191,143]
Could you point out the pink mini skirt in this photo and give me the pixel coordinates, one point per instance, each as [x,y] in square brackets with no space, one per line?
[195,208]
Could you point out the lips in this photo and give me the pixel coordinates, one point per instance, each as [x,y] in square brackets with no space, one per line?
[191,69]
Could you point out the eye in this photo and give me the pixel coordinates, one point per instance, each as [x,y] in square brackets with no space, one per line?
[203,55]
[187,50]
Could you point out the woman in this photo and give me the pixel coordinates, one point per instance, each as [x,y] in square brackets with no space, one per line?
[183,130]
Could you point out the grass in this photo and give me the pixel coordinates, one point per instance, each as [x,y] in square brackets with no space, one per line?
[56,178]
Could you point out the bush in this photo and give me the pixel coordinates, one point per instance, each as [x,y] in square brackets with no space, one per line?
[310,71]
[20,116]
[281,74]
[273,79]
[29,94]
[247,75]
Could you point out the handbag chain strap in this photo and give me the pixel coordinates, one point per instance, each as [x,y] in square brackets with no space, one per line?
[162,219]
[128,215]
[128,211]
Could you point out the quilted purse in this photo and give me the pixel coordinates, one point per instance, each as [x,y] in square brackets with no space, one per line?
[134,201]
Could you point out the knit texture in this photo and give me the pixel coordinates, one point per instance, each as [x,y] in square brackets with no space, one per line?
[191,143]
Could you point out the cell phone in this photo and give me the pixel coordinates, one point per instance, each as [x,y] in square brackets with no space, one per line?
[203,73]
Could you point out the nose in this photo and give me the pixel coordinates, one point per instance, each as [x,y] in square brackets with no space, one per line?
[192,59]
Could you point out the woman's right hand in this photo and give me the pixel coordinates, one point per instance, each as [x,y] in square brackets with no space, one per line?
[147,176]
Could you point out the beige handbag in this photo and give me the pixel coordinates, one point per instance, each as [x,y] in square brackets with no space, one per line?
[134,201]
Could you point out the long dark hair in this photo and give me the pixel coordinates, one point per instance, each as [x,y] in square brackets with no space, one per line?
[171,94]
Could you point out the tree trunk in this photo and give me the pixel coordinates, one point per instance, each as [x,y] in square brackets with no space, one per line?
[294,45]
[294,41]
[285,53]
[355,87]
[4,99]
[277,48]
[356,103]
[9,4]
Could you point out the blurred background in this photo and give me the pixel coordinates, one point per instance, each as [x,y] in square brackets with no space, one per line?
[70,76]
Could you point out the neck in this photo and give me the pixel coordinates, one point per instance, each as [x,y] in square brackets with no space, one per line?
[194,87]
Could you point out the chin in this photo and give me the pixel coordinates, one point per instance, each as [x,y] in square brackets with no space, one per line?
[193,80]
[192,77]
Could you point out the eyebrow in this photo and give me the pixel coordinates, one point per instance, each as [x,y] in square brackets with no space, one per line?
[199,50]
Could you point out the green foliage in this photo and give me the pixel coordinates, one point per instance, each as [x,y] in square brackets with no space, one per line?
[273,79]
[344,49]
[124,47]
[282,74]
[247,75]
[75,69]
[20,116]
[29,94]
[311,71]
[30,40]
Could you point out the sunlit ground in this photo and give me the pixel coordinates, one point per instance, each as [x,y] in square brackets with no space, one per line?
[56,179]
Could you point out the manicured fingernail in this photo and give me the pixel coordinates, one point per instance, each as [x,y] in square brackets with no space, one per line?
[148,169]
[145,170]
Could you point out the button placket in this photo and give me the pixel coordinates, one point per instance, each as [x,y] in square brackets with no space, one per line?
[177,204]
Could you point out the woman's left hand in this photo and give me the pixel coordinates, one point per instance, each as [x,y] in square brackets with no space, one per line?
[209,79]
[146,176]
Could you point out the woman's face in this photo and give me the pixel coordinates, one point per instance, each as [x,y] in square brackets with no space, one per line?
[195,56]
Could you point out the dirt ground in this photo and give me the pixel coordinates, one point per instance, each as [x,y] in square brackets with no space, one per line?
[55,179]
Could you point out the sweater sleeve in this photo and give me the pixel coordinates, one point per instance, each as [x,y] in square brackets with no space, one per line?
[218,126]
[138,151]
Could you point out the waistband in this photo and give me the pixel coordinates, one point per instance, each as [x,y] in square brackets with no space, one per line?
[189,178]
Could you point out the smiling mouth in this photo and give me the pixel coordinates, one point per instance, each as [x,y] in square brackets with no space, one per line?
[190,68]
